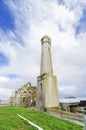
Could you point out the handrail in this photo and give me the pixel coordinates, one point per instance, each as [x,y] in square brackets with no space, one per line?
[31,123]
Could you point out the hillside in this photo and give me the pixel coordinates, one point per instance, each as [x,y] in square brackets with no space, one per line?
[10,121]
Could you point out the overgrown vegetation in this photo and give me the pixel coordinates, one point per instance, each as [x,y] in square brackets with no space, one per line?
[10,121]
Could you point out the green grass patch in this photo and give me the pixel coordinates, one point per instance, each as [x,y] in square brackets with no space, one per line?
[10,121]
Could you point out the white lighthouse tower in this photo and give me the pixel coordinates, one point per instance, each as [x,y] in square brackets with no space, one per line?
[47,91]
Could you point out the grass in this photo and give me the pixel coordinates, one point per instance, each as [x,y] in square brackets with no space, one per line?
[10,121]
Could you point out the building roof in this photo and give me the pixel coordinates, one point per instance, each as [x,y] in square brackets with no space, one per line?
[71,100]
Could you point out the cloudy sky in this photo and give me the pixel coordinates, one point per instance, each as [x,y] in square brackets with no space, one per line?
[22,25]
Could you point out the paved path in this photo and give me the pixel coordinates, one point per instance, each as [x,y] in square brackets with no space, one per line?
[67,117]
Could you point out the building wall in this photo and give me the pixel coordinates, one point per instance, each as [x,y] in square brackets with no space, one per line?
[51,91]
[24,96]
[47,92]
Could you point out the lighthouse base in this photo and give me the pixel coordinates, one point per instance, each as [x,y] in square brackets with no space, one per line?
[47,92]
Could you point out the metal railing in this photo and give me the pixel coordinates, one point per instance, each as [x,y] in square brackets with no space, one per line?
[83,116]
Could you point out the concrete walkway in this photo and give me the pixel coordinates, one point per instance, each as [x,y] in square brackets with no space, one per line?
[67,117]
[64,116]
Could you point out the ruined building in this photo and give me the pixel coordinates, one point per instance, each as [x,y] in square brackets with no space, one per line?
[45,95]
[47,91]
[24,96]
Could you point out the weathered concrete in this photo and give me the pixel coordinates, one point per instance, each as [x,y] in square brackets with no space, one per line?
[67,117]
[24,96]
[47,92]
[46,61]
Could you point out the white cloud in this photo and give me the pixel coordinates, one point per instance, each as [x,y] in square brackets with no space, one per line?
[4,79]
[7,86]
[33,19]
[4,93]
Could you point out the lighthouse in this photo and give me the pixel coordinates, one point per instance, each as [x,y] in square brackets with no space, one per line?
[47,89]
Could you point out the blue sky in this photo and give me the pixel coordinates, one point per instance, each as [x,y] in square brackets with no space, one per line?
[6,17]
[81,27]
[23,23]
[4,61]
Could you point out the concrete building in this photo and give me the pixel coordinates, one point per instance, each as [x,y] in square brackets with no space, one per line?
[24,96]
[73,104]
[47,91]
[4,102]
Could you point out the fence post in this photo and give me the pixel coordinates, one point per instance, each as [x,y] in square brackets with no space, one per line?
[84,119]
